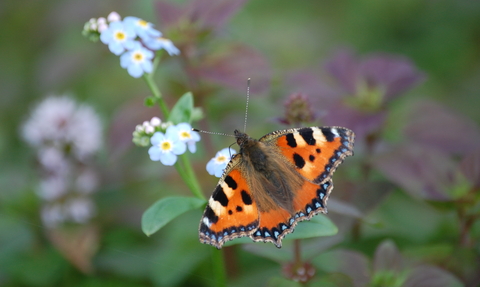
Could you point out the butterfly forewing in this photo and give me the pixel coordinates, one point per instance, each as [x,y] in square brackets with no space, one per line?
[316,151]
[231,211]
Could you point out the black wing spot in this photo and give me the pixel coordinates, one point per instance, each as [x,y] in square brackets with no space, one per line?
[230,212]
[220,196]
[307,135]
[210,214]
[231,182]
[291,142]
[239,208]
[246,198]
[327,132]
[318,150]
[311,158]
[299,161]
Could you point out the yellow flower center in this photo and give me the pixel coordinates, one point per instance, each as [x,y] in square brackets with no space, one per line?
[166,146]
[137,57]
[120,36]
[143,23]
[185,134]
[221,158]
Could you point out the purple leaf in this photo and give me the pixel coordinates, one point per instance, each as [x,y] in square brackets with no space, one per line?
[392,74]
[343,67]
[351,263]
[214,14]
[362,123]
[234,66]
[430,276]
[435,125]
[344,208]
[470,167]
[204,14]
[395,74]
[309,83]
[387,257]
[422,172]
[169,13]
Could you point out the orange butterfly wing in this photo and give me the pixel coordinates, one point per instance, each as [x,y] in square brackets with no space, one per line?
[314,153]
[231,211]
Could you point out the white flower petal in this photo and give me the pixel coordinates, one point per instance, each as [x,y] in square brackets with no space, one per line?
[168,159]
[113,17]
[155,153]
[157,138]
[179,148]
[211,167]
[219,170]
[155,121]
[192,146]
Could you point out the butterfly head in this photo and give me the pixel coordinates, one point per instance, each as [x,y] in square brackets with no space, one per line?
[243,139]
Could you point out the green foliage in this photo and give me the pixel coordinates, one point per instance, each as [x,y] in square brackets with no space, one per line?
[183,109]
[165,210]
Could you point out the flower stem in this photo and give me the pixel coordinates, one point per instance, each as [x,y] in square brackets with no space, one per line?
[191,178]
[184,168]
[219,271]
[156,94]
[296,251]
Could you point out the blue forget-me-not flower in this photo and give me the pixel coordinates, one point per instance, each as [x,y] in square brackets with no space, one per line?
[137,61]
[189,137]
[119,37]
[217,164]
[158,43]
[142,28]
[166,147]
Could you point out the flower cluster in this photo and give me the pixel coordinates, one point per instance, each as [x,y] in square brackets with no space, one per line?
[298,110]
[168,140]
[143,132]
[133,39]
[66,135]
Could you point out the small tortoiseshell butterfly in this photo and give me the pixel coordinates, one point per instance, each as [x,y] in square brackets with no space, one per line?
[273,183]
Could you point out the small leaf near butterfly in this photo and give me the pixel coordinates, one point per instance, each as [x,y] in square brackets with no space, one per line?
[165,210]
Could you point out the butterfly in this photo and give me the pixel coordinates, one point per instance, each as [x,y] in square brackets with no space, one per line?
[273,183]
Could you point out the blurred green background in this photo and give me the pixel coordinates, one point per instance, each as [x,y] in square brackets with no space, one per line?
[42,52]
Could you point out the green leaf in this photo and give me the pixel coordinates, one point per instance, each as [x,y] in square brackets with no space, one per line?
[165,210]
[197,114]
[283,282]
[182,111]
[319,225]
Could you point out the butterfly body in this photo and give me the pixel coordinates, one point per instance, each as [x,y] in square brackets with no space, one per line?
[273,183]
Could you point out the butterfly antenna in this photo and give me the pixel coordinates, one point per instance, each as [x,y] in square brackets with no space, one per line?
[246,106]
[212,133]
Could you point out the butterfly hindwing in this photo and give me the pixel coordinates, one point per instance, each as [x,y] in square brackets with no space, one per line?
[275,224]
[231,211]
